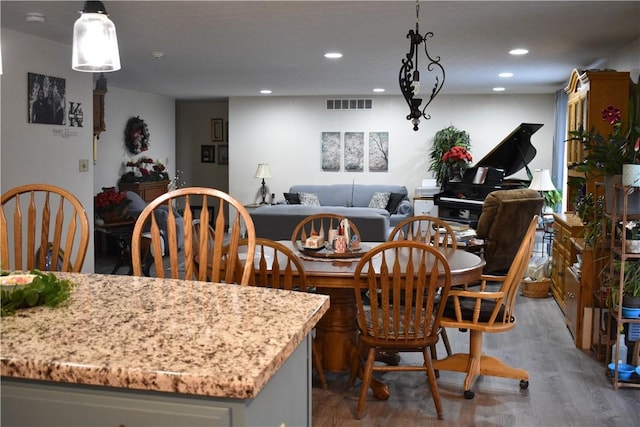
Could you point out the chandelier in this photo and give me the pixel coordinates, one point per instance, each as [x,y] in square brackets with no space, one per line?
[410,76]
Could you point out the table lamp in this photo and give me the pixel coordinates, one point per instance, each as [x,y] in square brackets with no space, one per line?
[263,172]
[542,181]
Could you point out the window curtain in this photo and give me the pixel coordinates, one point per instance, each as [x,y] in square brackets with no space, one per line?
[558,167]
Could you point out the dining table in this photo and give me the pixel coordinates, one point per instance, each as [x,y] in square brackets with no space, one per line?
[337,331]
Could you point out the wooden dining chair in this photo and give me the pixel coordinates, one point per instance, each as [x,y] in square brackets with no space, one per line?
[483,310]
[387,271]
[275,266]
[208,265]
[319,223]
[47,227]
[427,229]
[433,231]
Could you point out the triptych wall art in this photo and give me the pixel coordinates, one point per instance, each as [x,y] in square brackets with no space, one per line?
[354,151]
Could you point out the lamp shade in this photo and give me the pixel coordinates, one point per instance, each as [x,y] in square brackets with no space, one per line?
[95,44]
[542,180]
[263,171]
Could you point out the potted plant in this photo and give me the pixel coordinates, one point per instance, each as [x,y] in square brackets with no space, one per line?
[443,141]
[552,199]
[590,210]
[632,237]
[144,169]
[111,205]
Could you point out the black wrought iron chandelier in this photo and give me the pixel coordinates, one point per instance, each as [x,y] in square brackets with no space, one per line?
[410,75]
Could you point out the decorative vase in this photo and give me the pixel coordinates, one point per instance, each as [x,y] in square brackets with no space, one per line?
[631,175]
[112,216]
[455,174]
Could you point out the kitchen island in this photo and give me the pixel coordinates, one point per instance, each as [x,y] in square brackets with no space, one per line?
[160,352]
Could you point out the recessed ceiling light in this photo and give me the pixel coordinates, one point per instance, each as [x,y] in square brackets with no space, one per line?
[378,90]
[265,91]
[498,89]
[505,75]
[34,17]
[518,51]
[157,55]
[333,55]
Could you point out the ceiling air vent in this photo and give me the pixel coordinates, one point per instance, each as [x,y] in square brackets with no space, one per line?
[349,104]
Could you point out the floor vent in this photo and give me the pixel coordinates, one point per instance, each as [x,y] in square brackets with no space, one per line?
[349,104]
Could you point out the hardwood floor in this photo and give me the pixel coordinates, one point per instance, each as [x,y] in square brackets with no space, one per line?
[567,387]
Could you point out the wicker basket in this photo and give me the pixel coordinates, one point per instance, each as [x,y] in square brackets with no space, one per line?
[536,289]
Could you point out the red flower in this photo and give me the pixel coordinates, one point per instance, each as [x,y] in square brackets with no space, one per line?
[457,154]
[611,115]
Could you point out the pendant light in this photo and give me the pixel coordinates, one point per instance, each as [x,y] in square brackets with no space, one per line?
[95,44]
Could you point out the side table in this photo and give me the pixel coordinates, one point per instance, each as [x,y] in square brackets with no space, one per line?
[122,231]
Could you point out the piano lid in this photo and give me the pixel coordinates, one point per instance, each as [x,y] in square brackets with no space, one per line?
[514,152]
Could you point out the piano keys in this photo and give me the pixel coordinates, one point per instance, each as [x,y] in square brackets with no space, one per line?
[462,201]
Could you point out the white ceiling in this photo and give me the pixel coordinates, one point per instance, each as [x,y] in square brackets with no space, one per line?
[219,49]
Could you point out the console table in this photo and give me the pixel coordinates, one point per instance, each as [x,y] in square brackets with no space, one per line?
[146,190]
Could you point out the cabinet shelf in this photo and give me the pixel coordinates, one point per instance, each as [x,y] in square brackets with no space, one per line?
[618,251]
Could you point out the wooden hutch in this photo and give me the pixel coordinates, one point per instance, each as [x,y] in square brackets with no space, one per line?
[589,92]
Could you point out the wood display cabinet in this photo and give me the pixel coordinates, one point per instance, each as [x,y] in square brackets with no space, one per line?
[146,190]
[565,226]
[588,93]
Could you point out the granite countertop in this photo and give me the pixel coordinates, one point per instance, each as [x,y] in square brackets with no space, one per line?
[163,335]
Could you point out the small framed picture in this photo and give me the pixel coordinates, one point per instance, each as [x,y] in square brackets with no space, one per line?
[207,153]
[217,131]
[223,154]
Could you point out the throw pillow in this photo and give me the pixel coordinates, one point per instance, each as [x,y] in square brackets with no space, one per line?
[309,199]
[292,198]
[379,200]
[394,202]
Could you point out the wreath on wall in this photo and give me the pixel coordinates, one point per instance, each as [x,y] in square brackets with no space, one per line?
[136,135]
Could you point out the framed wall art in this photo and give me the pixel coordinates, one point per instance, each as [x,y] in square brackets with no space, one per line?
[354,151]
[217,131]
[207,153]
[223,154]
[46,99]
[330,147]
[378,151]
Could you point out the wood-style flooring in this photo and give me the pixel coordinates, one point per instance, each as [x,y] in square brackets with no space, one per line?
[567,386]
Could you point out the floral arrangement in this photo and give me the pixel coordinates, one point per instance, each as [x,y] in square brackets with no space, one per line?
[110,203]
[136,135]
[457,156]
[144,169]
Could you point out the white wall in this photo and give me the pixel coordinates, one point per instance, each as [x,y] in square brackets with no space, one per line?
[157,111]
[193,129]
[285,132]
[627,59]
[39,153]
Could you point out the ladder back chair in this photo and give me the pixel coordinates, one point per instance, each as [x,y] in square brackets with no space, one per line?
[388,271]
[485,310]
[42,227]
[208,265]
[433,231]
[275,266]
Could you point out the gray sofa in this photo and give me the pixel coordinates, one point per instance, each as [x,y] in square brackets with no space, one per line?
[277,222]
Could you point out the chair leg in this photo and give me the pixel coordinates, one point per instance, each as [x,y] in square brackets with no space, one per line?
[433,384]
[366,379]
[445,340]
[317,363]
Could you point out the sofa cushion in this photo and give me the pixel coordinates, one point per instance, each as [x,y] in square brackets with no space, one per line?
[292,198]
[309,199]
[379,200]
[394,202]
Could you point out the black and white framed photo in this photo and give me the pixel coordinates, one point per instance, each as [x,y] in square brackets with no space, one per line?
[217,131]
[46,99]
[207,153]
[223,154]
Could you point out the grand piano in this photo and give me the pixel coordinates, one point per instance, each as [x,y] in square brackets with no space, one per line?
[462,201]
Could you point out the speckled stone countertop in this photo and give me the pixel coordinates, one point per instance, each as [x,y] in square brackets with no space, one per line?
[160,334]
